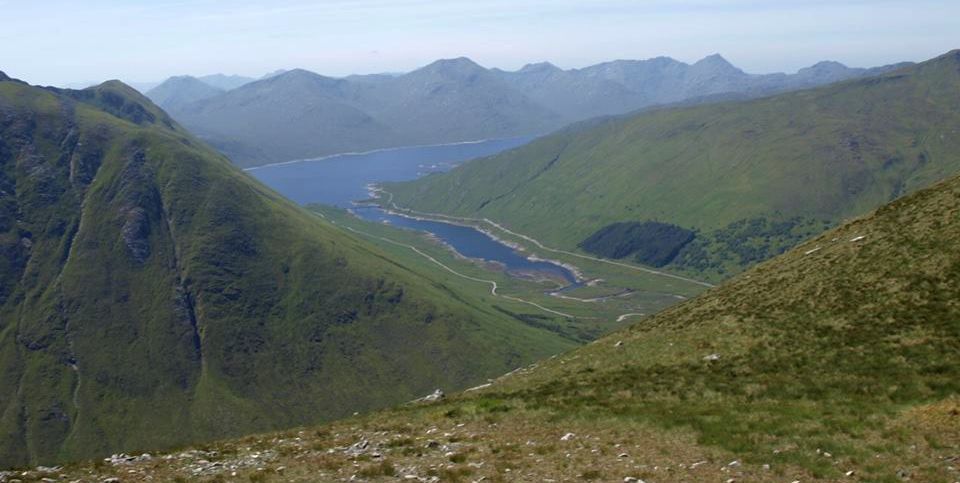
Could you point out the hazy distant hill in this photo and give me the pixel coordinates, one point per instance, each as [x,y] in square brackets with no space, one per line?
[457,100]
[751,178]
[293,115]
[625,85]
[152,294]
[225,82]
[176,92]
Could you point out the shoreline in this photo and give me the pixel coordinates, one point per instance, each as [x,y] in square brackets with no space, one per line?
[374,191]
[374,151]
[577,273]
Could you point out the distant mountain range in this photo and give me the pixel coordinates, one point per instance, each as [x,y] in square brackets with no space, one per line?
[749,179]
[299,114]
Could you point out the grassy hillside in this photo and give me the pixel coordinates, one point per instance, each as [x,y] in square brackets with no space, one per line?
[151,294]
[834,361]
[751,177]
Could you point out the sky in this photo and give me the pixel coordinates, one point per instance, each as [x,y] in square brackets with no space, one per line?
[65,42]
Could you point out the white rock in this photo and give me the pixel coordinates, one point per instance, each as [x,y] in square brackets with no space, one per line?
[436,395]
[567,437]
[712,357]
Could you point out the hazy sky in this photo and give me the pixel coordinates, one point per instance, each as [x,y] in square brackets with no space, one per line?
[64,41]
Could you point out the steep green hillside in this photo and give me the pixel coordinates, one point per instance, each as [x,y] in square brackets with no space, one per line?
[752,177]
[836,360]
[151,294]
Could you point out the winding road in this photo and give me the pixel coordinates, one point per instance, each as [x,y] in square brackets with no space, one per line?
[492,283]
[541,245]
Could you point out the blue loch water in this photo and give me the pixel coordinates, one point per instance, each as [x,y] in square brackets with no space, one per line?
[343,179]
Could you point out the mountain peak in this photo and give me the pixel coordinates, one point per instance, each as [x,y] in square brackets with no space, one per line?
[3,77]
[458,61]
[299,75]
[825,64]
[457,66]
[298,72]
[179,91]
[542,67]
[824,67]
[717,64]
[714,60]
[299,80]
[182,80]
[122,101]
[119,86]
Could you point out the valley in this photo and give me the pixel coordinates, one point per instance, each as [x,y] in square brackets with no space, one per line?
[594,293]
[740,383]
[465,242]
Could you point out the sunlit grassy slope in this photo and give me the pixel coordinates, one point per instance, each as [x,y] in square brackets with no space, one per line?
[836,360]
[752,178]
[151,294]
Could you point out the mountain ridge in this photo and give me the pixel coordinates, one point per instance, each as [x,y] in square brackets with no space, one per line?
[224,81]
[453,100]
